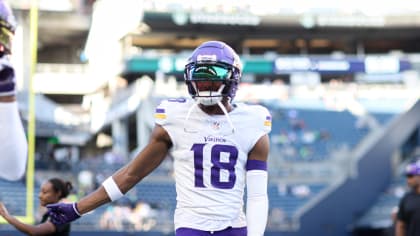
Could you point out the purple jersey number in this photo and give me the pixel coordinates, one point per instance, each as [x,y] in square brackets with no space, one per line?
[217,165]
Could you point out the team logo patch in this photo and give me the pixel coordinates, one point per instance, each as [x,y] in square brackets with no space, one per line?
[267,121]
[160,113]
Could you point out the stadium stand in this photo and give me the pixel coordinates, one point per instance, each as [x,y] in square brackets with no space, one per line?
[14,196]
[314,134]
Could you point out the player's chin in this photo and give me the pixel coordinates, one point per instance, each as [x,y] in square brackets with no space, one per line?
[43,203]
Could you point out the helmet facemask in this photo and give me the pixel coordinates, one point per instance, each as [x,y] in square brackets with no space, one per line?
[208,83]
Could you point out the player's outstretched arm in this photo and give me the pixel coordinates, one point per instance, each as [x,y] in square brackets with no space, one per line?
[119,183]
[257,180]
[13,142]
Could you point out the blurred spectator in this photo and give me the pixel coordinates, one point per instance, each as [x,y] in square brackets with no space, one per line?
[109,220]
[301,191]
[86,181]
[282,189]
[142,216]
[408,216]
[276,218]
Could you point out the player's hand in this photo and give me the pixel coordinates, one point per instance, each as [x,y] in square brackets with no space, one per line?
[3,210]
[7,77]
[63,213]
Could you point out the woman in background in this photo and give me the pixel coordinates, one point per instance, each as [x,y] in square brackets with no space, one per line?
[52,191]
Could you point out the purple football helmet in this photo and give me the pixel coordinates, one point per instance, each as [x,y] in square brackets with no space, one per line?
[213,71]
[7,25]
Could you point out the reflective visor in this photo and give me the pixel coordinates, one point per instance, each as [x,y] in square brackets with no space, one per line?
[213,72]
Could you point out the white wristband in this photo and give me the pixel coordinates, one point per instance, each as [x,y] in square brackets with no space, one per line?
[111,188]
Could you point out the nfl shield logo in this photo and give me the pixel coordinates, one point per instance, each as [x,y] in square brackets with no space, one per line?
[216,125]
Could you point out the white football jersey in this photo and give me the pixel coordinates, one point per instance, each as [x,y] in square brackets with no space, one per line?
[209,160]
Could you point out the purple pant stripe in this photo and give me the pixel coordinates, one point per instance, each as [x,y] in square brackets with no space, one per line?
[226,232]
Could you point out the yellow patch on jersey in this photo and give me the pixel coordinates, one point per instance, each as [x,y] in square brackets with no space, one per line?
[267,121]
[160,116]
[160,113]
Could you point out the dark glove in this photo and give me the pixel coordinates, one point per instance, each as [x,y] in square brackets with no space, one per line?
[7,78]
[63,213]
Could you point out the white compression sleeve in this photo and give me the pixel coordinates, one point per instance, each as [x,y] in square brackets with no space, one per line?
[13,144]
[257,202]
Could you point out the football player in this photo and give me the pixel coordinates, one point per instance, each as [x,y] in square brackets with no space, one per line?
[408,214]
[13,144]
[218,148]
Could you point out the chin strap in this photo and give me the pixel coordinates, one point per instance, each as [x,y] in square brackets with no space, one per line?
[227,116]
[188,117]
